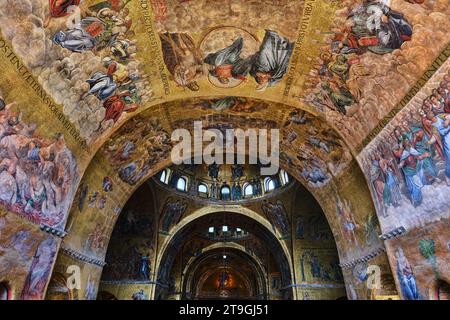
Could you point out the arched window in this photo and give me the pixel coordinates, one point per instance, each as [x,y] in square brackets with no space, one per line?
[182,184]
[269,184]
[284,177]
[165,176]
[211,230]
[225,193]
[248,190]
[4,291]
[443,291]
[224,228]
[203,188]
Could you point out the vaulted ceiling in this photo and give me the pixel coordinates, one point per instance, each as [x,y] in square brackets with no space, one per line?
[103,84]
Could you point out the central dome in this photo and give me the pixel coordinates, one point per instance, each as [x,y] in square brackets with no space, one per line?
[223,182]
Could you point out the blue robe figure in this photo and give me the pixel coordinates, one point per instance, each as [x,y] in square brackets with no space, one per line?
[314,175]
[33,154]
[126,172]
[395,32]
[444,130]
[144,270]
[406,277]
[378,35]
[412,175]
[102,85]
[300,229]
[392,189]
[271,62]
[78,39]
[426,166]
[236,192]
[256,184]
[315,267]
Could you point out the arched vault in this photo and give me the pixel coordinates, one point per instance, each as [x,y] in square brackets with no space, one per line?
[91,104]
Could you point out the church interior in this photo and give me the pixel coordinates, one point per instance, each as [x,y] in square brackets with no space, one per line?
[94,205]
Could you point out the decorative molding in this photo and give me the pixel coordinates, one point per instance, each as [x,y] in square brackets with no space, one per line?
[54,231]
[82,257]
[315,285]
[393,233]
[365,258]
[126,282]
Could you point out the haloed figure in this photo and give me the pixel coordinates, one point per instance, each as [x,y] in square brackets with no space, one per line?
[406,277]
[182,59]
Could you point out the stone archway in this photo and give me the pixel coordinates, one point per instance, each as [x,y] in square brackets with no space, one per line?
[247,220]
[328,207]
[254,289]
[5,291]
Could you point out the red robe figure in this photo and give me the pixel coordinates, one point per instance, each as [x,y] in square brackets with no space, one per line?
[116,105]
[58,8]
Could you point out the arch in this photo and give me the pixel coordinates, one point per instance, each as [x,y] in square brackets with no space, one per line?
[443,291]
[384,103]
[269,184]
[166,162]
[228,245]
[57,288]
[336,228]
[283,254]
[195,262]
[5,291]
[225,192]
[439,289]
[202,189]
[248,190]
[202,212]
[284,177]
[182,184]
[334,193]
[225,271]
[165,176]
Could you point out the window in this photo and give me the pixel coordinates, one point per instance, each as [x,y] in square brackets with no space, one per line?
[248,190]
[225,193]
[443,291]
[211,230]
[164,177]
[182,184]
[225,229]
[269,184]
[202,188]
[4,291]
[284,177]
